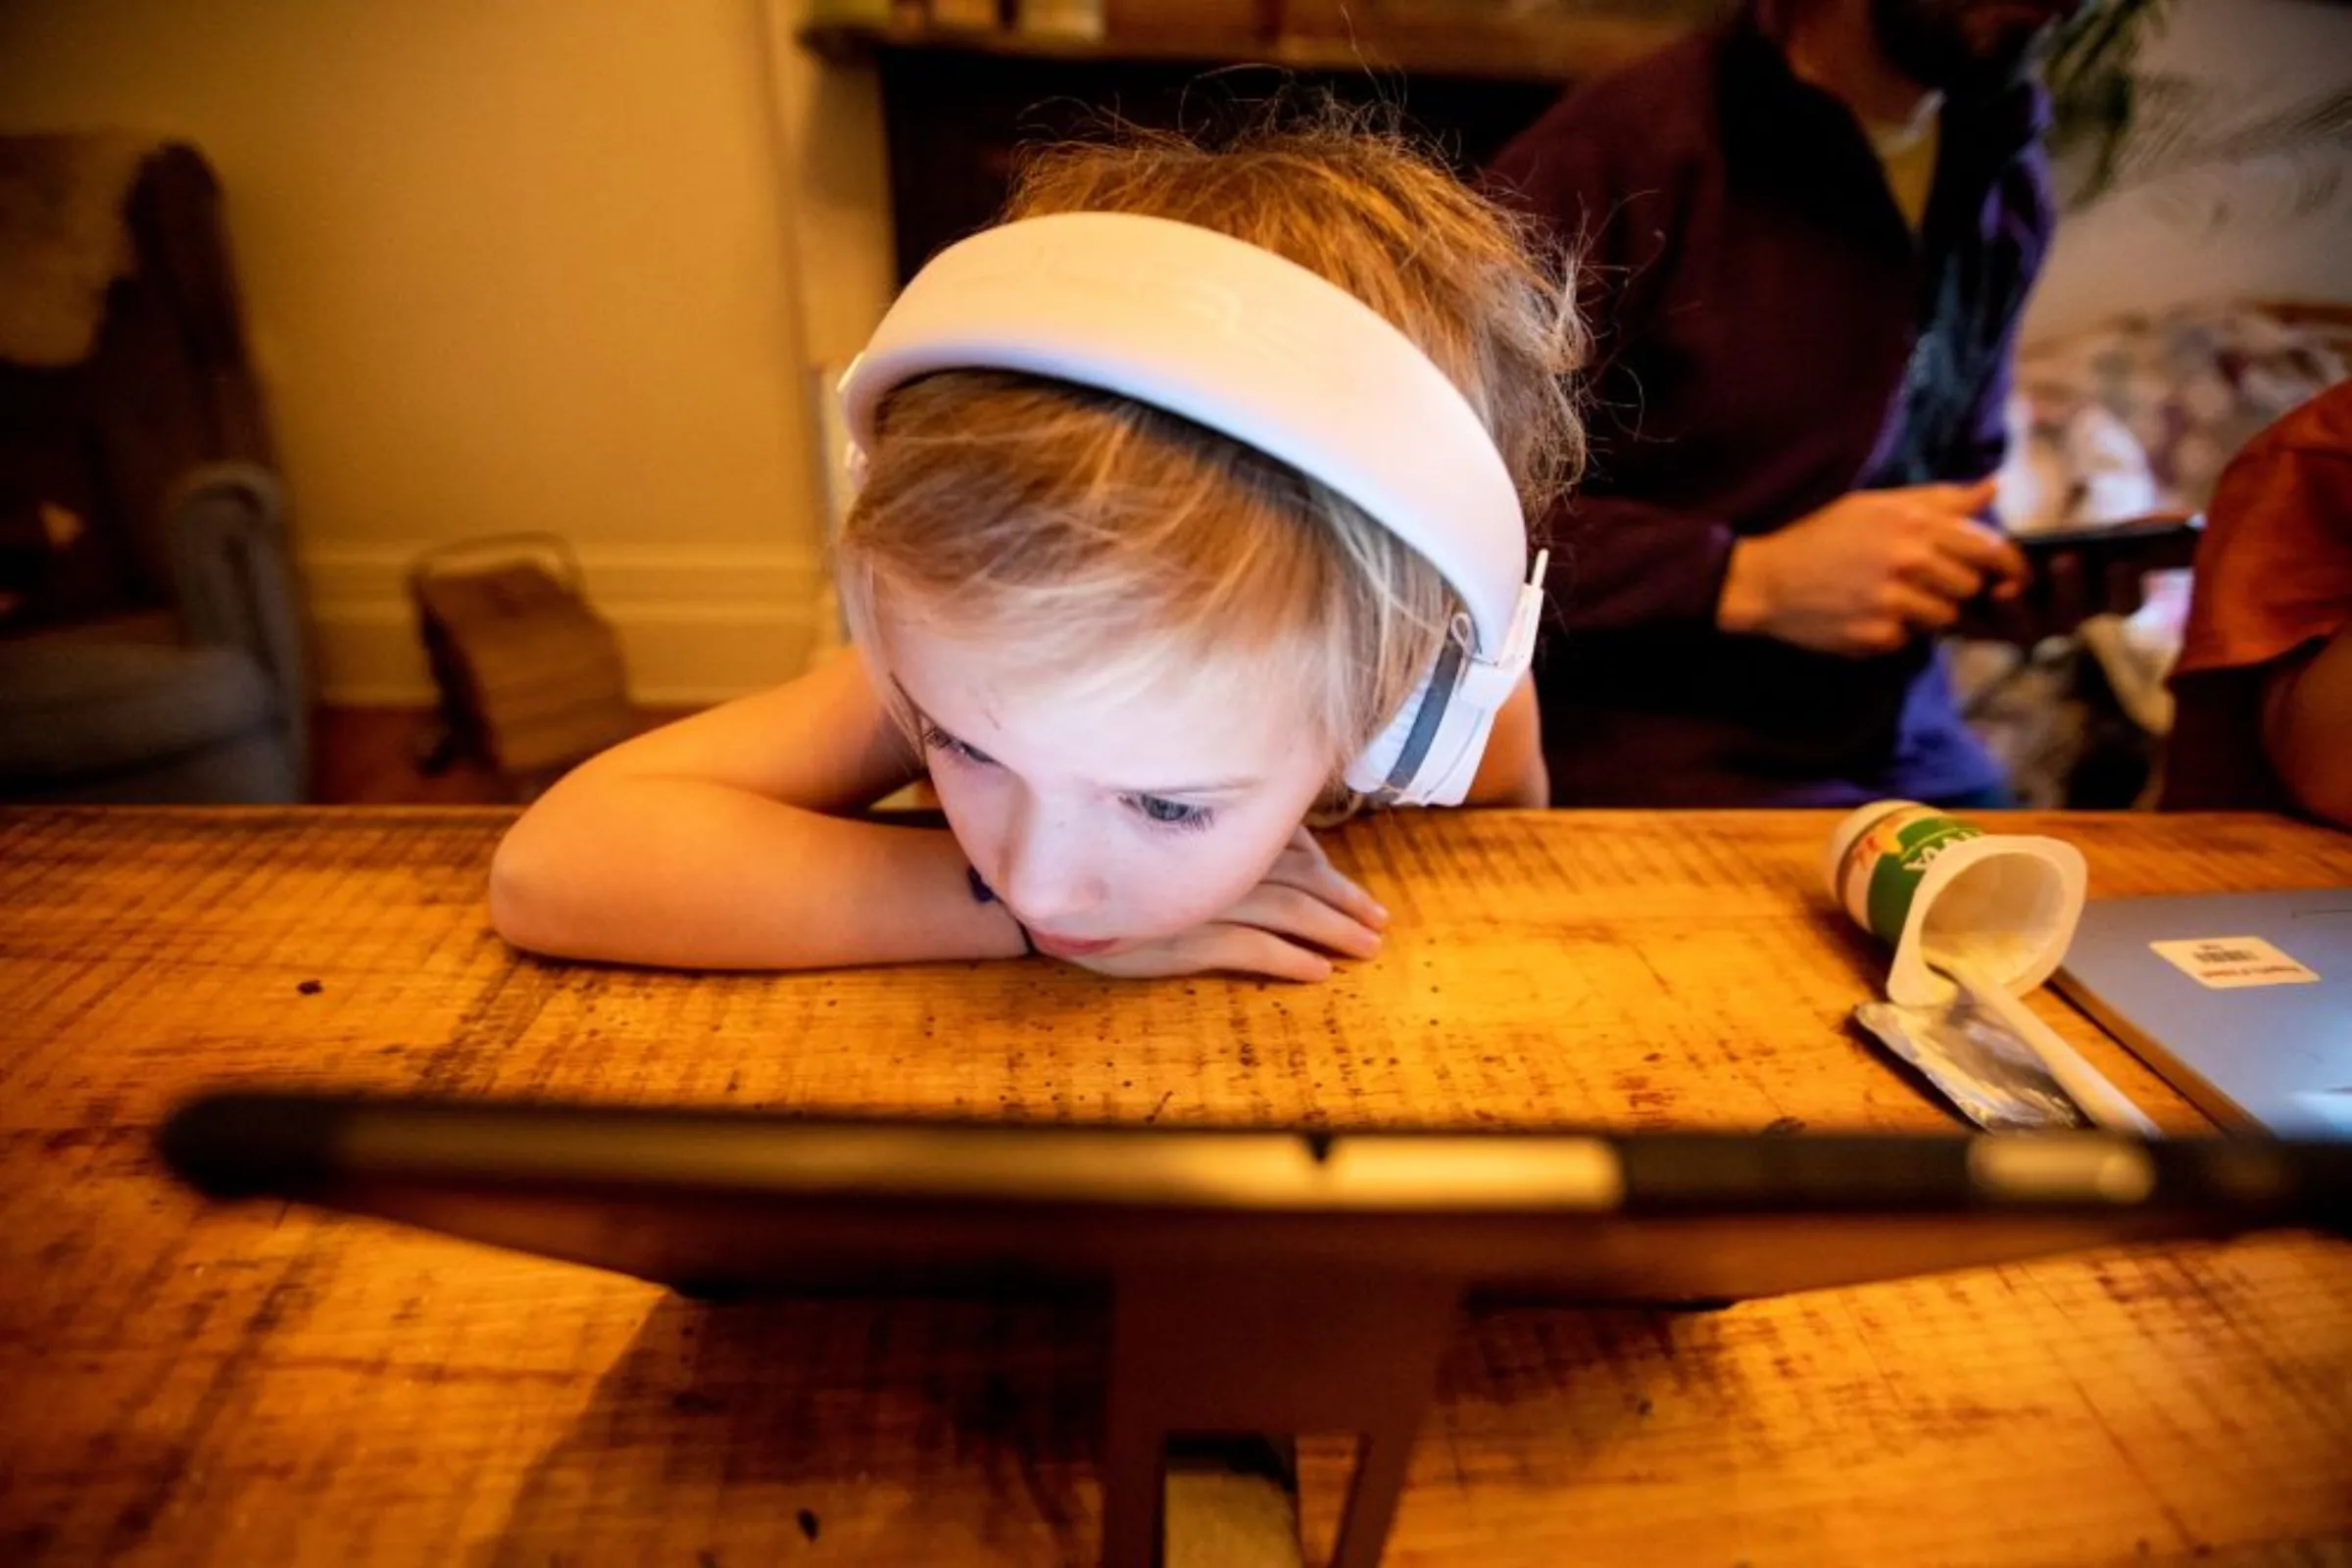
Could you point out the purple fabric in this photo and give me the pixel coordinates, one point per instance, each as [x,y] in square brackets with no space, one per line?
[1770,335]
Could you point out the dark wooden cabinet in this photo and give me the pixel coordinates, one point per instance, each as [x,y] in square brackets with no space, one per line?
[958,105]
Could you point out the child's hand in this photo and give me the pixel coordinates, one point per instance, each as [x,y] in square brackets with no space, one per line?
[1303,905]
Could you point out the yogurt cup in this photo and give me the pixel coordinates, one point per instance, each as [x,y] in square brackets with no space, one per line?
[1934,887]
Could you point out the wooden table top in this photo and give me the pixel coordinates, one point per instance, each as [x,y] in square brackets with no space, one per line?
[186,1385]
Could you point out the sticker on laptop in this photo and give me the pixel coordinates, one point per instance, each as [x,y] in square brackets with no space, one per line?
[2226,963]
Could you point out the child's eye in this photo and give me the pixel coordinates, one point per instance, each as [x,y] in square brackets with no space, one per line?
[1164,812]
[939,740]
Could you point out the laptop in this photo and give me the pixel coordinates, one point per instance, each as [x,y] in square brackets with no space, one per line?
[2243,1001]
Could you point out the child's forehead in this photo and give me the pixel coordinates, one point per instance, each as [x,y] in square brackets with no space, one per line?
[1121,712]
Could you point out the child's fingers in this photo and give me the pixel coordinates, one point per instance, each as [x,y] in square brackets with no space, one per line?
[1316,875]
[1334,888]
[1291,912]
[1247,950]
[1235,948]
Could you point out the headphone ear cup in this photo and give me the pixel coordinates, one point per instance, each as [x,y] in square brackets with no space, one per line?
[1369,774]
[1451,767]
[1420,746]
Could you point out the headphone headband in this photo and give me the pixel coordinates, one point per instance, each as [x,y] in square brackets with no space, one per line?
[1258,348]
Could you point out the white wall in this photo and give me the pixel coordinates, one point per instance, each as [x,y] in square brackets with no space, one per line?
[541,264]
[2219,234]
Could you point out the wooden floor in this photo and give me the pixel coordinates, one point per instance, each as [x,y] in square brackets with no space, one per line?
[374,757]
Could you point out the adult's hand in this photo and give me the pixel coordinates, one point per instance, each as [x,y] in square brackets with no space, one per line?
[1871,571]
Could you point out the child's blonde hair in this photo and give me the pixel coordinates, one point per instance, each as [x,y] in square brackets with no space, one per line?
[1097,540]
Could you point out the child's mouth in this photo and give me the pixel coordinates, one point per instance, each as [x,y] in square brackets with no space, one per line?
[1070,946]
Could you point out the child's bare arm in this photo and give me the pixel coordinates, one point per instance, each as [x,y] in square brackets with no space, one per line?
[707,844]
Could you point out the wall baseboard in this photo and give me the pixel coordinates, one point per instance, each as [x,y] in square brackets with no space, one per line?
[695,625]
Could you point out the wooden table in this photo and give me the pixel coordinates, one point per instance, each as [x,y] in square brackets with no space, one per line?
[185,1385]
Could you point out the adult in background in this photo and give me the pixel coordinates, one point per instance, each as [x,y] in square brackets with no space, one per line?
[1807,238]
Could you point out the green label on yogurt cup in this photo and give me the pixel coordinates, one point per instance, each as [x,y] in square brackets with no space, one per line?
[1898,849]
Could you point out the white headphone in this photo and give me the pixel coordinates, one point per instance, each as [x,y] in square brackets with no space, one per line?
[1258,348]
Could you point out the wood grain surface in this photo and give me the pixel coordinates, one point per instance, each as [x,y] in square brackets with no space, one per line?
[251,1386]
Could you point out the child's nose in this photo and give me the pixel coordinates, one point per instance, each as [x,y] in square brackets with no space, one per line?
[1047,876]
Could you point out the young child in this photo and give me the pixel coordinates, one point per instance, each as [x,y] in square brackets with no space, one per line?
[1132,650]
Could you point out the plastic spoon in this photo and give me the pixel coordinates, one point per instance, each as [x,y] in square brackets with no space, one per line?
[2084,1085]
